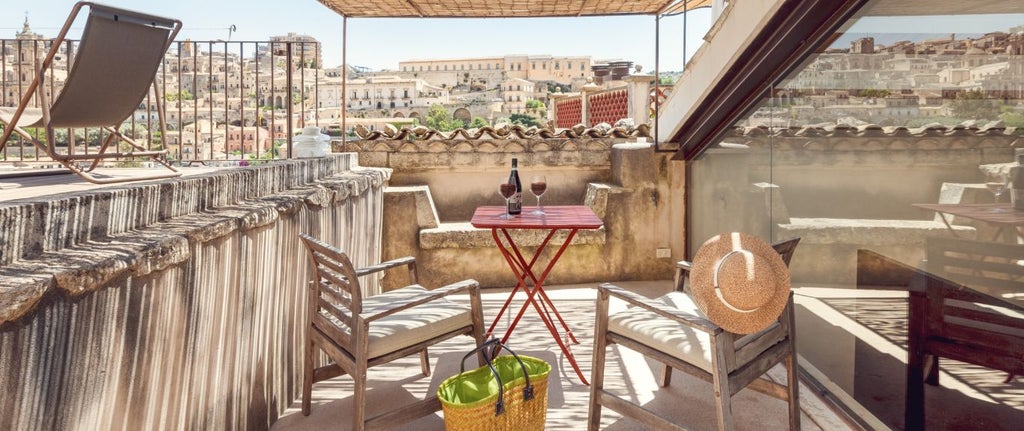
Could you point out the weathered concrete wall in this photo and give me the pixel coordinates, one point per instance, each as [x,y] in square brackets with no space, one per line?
[851,188]
[177,304]
[633,191]
[464,174]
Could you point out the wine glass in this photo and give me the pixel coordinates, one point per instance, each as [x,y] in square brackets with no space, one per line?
[506,189]
[997,188]
[538,185]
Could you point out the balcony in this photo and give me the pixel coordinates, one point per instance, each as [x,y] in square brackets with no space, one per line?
[180,303]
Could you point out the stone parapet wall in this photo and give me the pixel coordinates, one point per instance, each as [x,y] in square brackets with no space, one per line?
[634,192]
[843,188]
[177,304]
[464,174]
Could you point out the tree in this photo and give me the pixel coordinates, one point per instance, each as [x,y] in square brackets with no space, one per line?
[438,118]
[875,93]
[478,122]
[524,120]
[180,95]
[973,104]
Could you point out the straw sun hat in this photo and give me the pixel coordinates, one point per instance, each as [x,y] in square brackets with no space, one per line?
[739,282]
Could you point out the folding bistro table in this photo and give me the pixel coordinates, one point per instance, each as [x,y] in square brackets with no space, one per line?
[1004,217]
[557,218]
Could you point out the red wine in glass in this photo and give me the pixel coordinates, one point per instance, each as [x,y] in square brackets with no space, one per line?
[507,190]
[538,185]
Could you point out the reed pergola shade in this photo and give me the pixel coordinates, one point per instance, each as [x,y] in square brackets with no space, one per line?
[506,8]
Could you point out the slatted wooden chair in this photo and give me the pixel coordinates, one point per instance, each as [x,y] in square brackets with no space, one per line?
[965,307]
[672,330]
[359,332]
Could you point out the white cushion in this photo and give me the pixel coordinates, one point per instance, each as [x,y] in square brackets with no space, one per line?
[676,339]
[410,326]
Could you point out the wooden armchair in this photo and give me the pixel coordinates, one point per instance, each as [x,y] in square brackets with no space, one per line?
[672,330]
[358,333]
[966,307]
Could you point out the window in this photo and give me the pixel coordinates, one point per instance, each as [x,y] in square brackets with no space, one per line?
[556,65]
[867,74]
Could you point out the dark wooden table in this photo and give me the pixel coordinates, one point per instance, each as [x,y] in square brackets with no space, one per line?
[1001,215]
[555,219]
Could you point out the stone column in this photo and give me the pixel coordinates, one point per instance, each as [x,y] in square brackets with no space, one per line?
[639,98]
[585,93]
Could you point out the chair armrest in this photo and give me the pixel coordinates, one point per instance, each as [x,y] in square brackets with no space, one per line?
[408,260]
[432,295]
[641,301]
[683,268]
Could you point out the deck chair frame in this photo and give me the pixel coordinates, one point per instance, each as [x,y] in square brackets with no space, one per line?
[71,160]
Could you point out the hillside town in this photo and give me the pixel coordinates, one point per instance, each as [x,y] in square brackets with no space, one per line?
[227,98]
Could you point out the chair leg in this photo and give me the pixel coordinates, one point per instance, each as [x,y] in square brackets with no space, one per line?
[597,362]
[307,378]
[666,376]
[720,380]
[913,417]
[793,380]
[359,398]
[931,364]
[425,363]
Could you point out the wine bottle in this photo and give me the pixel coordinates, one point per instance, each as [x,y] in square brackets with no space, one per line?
[515,203]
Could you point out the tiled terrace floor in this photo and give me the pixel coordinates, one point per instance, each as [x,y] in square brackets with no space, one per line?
[689,401]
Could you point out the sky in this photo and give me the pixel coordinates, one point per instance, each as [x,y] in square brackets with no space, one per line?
[382,43]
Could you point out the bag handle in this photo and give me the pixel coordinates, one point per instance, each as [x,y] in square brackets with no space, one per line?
[499,408]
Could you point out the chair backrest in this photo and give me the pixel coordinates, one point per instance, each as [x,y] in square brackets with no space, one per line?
[786,249]
[116,63]
[335,287]
[991,268]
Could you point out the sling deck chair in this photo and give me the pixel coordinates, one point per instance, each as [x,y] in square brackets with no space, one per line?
[116,61]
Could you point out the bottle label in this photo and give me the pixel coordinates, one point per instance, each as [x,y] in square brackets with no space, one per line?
[515,203]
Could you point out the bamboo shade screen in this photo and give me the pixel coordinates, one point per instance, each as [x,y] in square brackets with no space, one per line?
[506,8]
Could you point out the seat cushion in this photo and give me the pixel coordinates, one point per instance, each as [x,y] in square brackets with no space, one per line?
[683,342]
[411,326]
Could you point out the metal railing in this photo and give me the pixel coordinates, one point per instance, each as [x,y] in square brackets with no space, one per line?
[239,100]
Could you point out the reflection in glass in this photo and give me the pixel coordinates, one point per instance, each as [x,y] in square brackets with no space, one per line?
[910,103]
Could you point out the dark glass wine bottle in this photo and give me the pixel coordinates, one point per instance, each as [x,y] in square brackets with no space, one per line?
[515,203]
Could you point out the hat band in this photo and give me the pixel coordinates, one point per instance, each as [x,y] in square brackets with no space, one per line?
[718,290]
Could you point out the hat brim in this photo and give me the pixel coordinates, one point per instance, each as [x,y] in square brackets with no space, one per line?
[703,290]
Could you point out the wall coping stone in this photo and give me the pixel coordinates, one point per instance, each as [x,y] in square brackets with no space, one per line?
[82,266]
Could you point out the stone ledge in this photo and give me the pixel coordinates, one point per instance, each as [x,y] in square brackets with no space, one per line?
[464,235]
[87,266]
[867,231]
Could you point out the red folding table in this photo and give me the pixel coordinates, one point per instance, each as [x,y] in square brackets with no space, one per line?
[555,219]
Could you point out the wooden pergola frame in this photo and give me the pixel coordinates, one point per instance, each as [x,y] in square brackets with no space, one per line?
[508,9]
